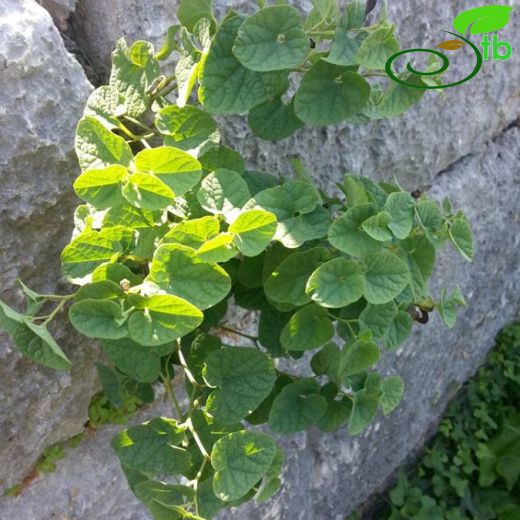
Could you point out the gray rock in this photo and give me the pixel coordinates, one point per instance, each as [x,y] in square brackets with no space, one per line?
[439,130]
[327,476]
[42,95]
[60,11]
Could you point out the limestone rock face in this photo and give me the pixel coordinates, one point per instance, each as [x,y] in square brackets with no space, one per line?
[329,475]
[42,95]
[463,143]
[60,10]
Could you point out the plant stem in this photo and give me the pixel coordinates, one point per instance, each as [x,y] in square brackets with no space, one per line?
[184,365]
[171,395]
[49,317]
[238,333]
[201,447]
[196,483]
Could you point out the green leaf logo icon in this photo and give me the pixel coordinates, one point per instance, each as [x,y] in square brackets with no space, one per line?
[482,20]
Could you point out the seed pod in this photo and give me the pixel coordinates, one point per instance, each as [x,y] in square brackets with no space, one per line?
[313,43]
[419,315]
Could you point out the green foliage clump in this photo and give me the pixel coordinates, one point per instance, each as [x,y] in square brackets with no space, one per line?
[174,227]
[471,468]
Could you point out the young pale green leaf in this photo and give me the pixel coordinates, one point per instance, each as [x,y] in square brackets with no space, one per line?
[192,233]
[295,204]
[377,47]
[308,328]
[377,227]
[295,231]
[133,72]
[274,120]
[99,290]
[223,192]
[187,127]
[105,104]
[140,363]
[187,68]
[272,39]
[152,447]
[244,377]
[102,188]
[400,207]
[298,406]
[386,277]
[91,249]
[176,168]
[240,460]
[218,249]
[329,94]
[178,270]
[169,44]
[190,12]
[363,411]
[34,341]
[347,234]
[147,192]
[288,281]
[253,231]
[287,200]
[358,357]
[98,319]
[115,273]
[97,147]
[228,87]
[336,283]
[393,391]
[162,318]
[462,238]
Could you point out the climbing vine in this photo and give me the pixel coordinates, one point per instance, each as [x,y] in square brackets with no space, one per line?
[174,227]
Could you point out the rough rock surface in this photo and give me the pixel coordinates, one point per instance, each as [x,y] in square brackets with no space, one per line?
[446,141]
[463,118]
[60,10]
[327,476]
[43,91]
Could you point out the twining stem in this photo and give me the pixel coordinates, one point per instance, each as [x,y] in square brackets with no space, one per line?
[49,317]
[171,395]
[170,392]
[184,365]
[346,322]
[238,333]
[196,483]
[139,124]
[201,447]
